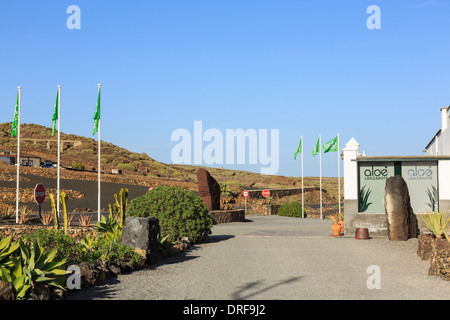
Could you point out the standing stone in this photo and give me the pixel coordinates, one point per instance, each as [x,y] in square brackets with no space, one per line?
[400,218]
[142,234]
[208,189]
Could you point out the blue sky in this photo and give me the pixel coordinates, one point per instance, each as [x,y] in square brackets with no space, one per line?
[303,67]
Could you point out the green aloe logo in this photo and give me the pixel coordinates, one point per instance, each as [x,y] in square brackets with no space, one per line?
[364,199]
[432,196]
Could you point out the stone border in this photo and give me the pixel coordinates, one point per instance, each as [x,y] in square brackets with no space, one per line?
[227,216]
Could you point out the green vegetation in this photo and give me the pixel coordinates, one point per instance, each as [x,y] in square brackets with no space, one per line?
[436,222]
[293,209]
[26,265]
[77,165]
[180,212]
[126,166]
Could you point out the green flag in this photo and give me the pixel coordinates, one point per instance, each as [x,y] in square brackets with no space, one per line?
[15,118]
[299,150]
[331,146]
[55,113]
[316,149]
[97,114]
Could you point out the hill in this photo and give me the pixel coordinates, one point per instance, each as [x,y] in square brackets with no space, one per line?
[138,169]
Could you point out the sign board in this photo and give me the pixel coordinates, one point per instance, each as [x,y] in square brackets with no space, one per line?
[266,193]
[422,182]
[245,194]
[420,177]
[39,194]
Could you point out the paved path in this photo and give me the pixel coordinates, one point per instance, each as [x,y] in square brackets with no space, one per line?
[275,257]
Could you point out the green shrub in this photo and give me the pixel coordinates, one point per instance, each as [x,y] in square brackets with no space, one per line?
[77,165]
[180,212]
[126,166]
[293,209]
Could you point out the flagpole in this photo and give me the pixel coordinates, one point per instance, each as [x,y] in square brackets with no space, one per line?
[59,149]
[18,158]
[303,211]
[99,164]
[320,163]
[339,174]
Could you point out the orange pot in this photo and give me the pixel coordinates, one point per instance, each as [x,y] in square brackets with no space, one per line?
[341,222]
[336,229]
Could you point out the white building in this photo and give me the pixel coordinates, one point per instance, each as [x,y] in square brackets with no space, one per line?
[440,144]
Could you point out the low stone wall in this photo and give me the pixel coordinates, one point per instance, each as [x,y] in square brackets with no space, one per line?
[18,230]
[280,193]
[227,216]
[438,252]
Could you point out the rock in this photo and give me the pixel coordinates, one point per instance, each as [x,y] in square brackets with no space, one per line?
[424,247]
[7,291]
[142,233]
[89,275]
[39,292]
[208,189]
[401,220]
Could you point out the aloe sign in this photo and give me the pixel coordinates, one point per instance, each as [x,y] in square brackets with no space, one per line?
[422,181]
[420,176]
[372,181]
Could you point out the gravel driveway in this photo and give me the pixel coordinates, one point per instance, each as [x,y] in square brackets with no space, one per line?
[272,257]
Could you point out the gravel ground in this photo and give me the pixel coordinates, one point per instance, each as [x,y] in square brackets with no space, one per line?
[272,258]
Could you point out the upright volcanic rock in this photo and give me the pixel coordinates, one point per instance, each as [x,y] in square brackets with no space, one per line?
[208,189]
[401,220]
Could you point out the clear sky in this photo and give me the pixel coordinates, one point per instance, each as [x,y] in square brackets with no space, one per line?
[302,67]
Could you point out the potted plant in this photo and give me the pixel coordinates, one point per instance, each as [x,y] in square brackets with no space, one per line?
[335,226]
[341,221]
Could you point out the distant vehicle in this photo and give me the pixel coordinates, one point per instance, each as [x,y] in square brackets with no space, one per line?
[47,164]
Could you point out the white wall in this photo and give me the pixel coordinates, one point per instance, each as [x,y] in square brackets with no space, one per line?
[444,179]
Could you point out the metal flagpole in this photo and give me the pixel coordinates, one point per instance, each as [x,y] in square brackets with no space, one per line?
[320,161]
[339,174]
[18,158]
[303,211]
[99,163]
[59,148]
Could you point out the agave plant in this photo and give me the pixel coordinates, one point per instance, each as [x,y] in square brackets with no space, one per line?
[33,264]
[435,222]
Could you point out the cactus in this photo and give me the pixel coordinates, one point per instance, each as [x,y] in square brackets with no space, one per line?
[121,205]
[63,199]
[55,213]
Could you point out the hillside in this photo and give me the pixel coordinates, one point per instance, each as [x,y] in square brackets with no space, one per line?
[137,168]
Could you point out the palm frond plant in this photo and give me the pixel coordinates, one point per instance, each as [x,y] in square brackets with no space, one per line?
[334,218]
[435,222]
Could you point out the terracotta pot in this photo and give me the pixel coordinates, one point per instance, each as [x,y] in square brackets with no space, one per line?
[341,222]
[362,233]
[336,229]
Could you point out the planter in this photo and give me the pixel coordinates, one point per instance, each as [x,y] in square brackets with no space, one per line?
[440,260]
[362,233]
[336,229]
[424,246]
[341,222]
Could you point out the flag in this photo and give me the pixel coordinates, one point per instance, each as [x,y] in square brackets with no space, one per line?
[55,113]
[299,150]
[331,146]
[15,118]
[97,114]
[316,148]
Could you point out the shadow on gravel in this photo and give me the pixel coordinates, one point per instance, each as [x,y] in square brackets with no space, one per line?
[103,292]
[252,289]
